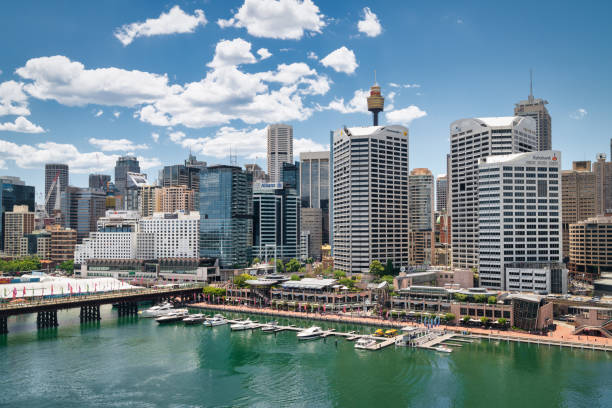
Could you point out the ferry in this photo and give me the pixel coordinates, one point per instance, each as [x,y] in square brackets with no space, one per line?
[244,325]
[218,320]
[194,318]
[158,310]
[364,343]
[310,333]
[174,316]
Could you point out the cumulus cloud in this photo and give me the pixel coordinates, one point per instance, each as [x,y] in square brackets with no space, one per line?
[250,143]
[312,55]
[116,114]
[579,114]
[341,60]
[113,145]
[357,104]
[177,136]
[232,53]
[21,125]
[98,113]
[13,100]
[155,137]
[176,21]
[35,156]
[406,115]
[263,53]
[281,19]
[370,25]
[395,85]
[301,145]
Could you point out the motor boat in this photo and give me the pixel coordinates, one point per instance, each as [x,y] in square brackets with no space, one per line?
[158,310]
[176,315]
[443,349]
[270,327]
[194,318]
[379,333]
[244,325]
[218,320]
[365,343]
[391,333]
[310,333]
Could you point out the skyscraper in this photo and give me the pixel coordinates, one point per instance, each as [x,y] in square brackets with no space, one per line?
[280,149]
[290,176]
[578,198]
[180,175]
[314,186]
[13,191]
[441,192]
[18,223]
[603,184]
[536,108]
[370,196]
[519,221]
[421,201]
[124,165]
[53,171]
[99,181]
[81,208]
[471,139]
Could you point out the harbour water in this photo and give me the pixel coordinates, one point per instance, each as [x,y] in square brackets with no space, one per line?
[137,363]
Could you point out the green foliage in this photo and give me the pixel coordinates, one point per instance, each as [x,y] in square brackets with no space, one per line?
[480,298]
[465,319]
[388,279]
[309,261]
[256,260]
[377,269]
[280,267]
[292,266]
[492,300]
[502,321]
[20,265]
[349,283]
[240,280]
[212,290]
[338,274]
[302,270]
[460,297]
[295,277]
[389,268]
[67,266]
[449,317]
[484,320]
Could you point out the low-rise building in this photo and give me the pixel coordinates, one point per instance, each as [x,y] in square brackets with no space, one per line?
[533,277]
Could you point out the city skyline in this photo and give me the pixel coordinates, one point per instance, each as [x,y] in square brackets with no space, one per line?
[88,128]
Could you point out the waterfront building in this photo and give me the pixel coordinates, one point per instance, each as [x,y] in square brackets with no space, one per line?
[311,221]
[81,208]
[578,198]
[124,165]
[55,171]
[441,193]
[370,197]
[536,109]
[518,213]
[99,181]
[280,149]
[472,139]
[226,210]
[603,184]
[63,243]
[548,277]
[17,223]
[421,216]
[590,247]
[258,174]
[314,186]
[13,191]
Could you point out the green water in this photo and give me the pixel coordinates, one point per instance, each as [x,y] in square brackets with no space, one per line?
[132,362]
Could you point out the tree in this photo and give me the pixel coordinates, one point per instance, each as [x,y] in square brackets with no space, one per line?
[212,290]
[67,266]
[349,283]
[240,280]
[460,297]
[449,317]
[302,270]
[339,274]
[377,269]
[492,300]
[484,320]
[388,279]
[256,260]
[502,321]
[480,298]
[292,266]
[280,267]
[309,261]
[389,268]
[465,319]
[295,277]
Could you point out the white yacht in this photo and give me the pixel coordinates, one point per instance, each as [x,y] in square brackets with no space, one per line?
[195,318]
[443,349]
[364,343]
[175,315]
[158,310]
[310,333]
[244,325]
[269,327]
[218,320]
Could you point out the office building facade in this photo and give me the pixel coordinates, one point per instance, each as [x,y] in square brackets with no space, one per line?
[13,191]
[124,165]
[421,216]
[590,251]
[99,181]
[53,171]
[603,184]
[311,222]
[280,149]
[441,193]
[314,186]
[81,208]
[18,223]
[578,198]
[536,109]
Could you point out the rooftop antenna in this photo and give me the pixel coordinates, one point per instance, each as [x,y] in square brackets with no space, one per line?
[375,83]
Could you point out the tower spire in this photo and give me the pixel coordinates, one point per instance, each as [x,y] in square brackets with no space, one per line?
[376,102]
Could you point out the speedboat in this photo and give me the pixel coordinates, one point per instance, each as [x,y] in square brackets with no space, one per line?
[269,327]
[173,316]
[443,349]
[218,320]
[364,343]
[158,310]
[391,333]
[310,333]
[194,318]
[379,333]
[244,325]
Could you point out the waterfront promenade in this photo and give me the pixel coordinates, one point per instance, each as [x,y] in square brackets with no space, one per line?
[562,336]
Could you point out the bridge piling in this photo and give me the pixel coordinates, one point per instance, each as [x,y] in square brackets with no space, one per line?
[127,309]
[89,313]
[3,324]
[46,319]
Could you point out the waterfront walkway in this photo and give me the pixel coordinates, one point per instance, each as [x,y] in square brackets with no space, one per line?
[562,337]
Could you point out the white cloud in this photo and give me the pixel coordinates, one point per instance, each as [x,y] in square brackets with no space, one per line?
[312,55]
[341,60]
[263,53]
[13,100]
[98,113]
[395,85]
[155,137]
[370,25]
[301,145]
[578,114]
[232,53]
[358,104]
[35,156]
[110,145]
[250,143]
[116,114]
[177,136]
[176,21]
[281,19]
[21,125]
[3,165]
[406,115]
[69,83]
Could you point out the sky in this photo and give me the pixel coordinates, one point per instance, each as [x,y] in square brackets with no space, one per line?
[86,82]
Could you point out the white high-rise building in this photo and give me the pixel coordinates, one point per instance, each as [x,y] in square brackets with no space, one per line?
[470,140]
[280,149]
[370,196]
[519,218]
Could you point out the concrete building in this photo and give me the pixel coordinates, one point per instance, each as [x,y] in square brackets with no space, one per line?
[180,175]
[548,277]
[441,193]
[61,173]
[519,215]
[99,181]
[472,139]
[17,224]
[590,248]
[258,174]
[81,208]
[314,186]
[39,244]
[176,198]
[311,221]
[276,215]
[421,216]
[63,243]
[124,165]
[536,109]
[149,200]
[280,149]
[370,197]
[13,191]
[603,184]
[578,198]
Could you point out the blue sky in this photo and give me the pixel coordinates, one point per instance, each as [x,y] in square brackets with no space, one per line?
[83,82]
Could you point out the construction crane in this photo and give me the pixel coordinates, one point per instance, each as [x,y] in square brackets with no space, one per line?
[55,184]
